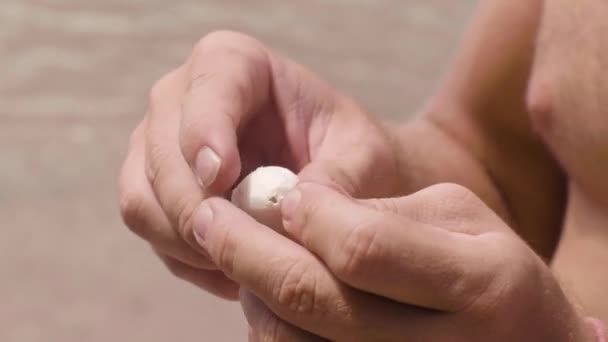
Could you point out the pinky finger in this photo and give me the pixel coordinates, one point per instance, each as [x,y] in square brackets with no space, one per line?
[212,281]
[265,326]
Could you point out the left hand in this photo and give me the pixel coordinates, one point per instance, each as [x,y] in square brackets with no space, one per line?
[437,265]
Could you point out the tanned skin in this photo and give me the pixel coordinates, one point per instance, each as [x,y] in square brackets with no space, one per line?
[516,251]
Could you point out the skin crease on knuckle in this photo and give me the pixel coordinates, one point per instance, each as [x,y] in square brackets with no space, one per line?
[187,207]
[359,251]
[132,209]
[295,288]
[156,156]
[245,51]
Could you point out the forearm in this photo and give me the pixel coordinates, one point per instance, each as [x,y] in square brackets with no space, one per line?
[481,133]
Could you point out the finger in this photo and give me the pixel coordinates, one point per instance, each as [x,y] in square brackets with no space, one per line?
[266,326]
[230,80]
[386,254]
[292,283]
[450,206]
[212,281]
[142,213]
[172,181]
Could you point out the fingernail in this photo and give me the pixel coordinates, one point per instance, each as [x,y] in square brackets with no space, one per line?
[289,205]
[201,221]
[206,166]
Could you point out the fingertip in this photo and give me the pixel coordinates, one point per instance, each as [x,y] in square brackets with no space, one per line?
[207,165]
[289,204]
[202,220]
[210,146]
[303,202]
[217,168]
[229,171]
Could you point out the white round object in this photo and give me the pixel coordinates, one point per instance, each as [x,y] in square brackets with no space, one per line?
[261,192]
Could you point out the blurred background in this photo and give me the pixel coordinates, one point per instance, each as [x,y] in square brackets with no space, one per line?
[74,76]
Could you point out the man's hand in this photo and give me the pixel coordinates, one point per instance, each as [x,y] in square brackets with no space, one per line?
[437,265]
[233,106]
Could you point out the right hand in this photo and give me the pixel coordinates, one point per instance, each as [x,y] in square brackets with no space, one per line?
[233,106]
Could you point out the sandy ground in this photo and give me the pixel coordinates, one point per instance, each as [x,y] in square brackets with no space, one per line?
[73,81]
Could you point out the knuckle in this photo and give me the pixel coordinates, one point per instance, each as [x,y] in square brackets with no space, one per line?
[185,208]
[163,87]
[464,290]
[359,251]
[248,57]
[504,279]
[157,91]
[132,209]
[456,194]
[137,134]
[295,290]
[343,179]
[270,328]
[385,204]
[453,189]
[313,204]
[156,156]
[225,40]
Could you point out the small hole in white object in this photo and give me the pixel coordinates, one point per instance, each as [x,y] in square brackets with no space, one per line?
[274,199]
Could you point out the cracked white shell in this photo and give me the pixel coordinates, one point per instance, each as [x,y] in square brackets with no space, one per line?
[260,194]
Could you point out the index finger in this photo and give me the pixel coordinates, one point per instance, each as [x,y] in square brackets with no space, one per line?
[229,81]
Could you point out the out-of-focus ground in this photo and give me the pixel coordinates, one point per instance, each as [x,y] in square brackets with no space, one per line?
[73,81]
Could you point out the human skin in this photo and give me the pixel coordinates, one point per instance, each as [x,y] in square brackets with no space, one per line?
[230,94]
[475,132]
[436,265]
[568,103]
